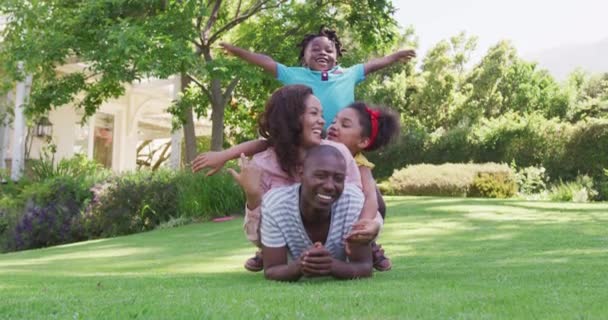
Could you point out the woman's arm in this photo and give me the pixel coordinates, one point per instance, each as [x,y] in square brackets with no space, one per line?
[366,229]
[370,205]
[264,61]
[215,160]
[379,63]
[359,265]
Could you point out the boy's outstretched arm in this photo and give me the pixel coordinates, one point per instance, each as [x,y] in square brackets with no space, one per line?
[376,64]
[264,61]
[215,160]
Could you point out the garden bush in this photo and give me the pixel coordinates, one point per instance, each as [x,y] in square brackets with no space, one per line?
[408,149]
[493,185]
[78,200]
[531,180]
[134,202]
[445,180]
[203,198]
[449,146]
[602,187]
[565,150]
[581,190]
[47,210]
[587,150]
[528,140]
[50,216]
[142,200]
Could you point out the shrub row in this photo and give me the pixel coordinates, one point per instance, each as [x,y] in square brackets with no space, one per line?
[67,208]
[565,150]
[462,180]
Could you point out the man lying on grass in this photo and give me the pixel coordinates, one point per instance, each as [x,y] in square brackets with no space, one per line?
[304,226]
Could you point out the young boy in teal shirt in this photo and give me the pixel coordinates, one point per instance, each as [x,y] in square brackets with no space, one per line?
[332,84]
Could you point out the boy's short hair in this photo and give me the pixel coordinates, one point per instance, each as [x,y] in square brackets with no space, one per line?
[323,32]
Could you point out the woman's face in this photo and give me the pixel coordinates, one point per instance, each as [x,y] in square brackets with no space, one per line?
[320,54]
[312,122]
[346,129]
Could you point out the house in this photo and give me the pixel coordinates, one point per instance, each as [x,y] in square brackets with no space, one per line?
[112,135]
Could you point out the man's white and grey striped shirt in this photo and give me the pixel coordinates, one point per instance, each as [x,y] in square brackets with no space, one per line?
[282,222]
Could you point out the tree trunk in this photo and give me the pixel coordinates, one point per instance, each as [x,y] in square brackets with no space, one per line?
[217,115]
[189,134]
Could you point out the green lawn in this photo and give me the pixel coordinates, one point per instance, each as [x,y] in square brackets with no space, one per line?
[453,259]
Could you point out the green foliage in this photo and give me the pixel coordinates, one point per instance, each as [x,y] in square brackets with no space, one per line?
[587,148]
[531,180]
[123,41]
[143,200]
[493,185]
[72,207]
[408,149]
[46,210]
[580,190]
[131,203]
[47,213]
[452,180]
[78,166]
[441,93]
[602,187]
[203,144]
[529,140]
[588,96]
[450,146]
[203,197]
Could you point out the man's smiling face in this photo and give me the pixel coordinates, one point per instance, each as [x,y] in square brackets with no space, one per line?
[323,179]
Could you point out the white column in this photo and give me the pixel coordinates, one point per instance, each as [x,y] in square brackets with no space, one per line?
[91,137]
[3,145]
[4,132]
[176,136]
[19,128]
[176,149]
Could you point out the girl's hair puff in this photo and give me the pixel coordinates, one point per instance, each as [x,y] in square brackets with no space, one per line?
[280,124]
[323,32]
[388,124]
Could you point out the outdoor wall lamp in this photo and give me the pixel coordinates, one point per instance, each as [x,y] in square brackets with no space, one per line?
[44,127]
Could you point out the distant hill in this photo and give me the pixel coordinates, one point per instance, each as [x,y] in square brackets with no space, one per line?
[562,60]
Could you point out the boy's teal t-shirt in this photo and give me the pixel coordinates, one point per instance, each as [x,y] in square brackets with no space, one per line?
[335,90]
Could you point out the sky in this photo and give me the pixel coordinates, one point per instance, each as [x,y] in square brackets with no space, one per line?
[532,25]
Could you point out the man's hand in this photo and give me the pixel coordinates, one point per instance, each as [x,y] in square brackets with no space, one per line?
[316,261]
[213,160]
[250,179]
[405,55]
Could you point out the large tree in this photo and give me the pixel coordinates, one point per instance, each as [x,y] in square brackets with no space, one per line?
[122,41]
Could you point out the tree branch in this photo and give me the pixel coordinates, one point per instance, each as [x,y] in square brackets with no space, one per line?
[211,22]
[238,9]
[163,156]
[142,146]
[201,85]
[228,93]
[259,6]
